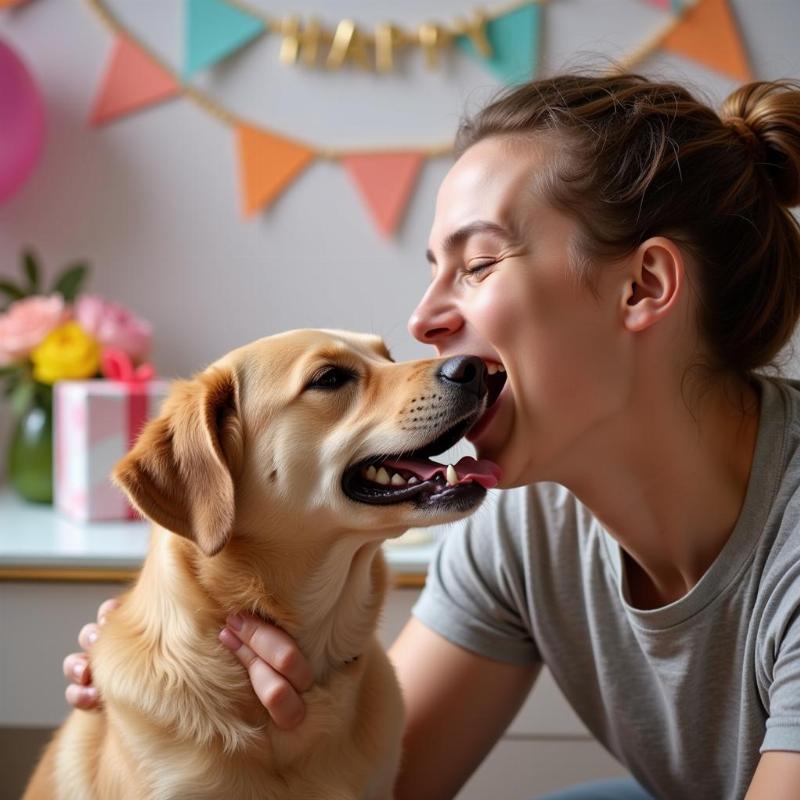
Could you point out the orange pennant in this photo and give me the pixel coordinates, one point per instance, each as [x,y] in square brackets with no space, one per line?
[267,164]
[385,181]
[132,80]
[708,33]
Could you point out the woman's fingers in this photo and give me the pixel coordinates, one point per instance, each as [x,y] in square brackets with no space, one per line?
[88,635]
[80,693]
[275,647]
[83,697]
[276,694]
[105,607]
[275,665]
[76,669]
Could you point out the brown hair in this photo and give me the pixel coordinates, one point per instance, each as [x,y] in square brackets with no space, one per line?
[636,158]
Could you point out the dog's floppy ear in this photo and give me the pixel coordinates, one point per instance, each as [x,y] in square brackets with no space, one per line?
[179,471]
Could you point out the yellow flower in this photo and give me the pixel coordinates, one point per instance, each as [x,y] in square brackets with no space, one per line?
[67,353]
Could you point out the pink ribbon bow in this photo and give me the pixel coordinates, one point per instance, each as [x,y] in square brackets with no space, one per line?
[117,365]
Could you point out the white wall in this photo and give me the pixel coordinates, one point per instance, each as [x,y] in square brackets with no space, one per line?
[152,200]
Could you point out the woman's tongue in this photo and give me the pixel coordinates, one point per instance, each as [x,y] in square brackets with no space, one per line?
[482,471]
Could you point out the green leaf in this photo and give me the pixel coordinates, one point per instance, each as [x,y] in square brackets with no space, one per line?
[71,281]
[21,397]
[12,382]
[8,370]
[32,272]
[11,290]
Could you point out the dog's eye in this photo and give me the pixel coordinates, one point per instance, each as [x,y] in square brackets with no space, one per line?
[331,378]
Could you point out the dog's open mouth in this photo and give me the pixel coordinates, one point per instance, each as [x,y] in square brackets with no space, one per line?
[414,477]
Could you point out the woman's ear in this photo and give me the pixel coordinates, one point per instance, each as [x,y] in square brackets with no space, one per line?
[653,288]
[178,473]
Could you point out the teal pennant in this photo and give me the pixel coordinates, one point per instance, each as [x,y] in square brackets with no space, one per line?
[514,38]
[214,30]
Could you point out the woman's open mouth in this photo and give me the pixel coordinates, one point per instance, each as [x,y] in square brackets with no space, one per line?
[495,380]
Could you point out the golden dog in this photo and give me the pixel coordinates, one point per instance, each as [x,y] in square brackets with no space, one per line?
[271,467]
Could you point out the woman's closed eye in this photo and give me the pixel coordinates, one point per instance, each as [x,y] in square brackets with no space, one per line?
[477,267]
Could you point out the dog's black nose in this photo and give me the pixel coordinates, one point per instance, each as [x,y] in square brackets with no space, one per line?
[468,372]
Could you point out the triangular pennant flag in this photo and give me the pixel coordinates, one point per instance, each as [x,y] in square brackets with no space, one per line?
[214,30]
[514,39]
[666,5]
[132,81]
[385,181]
[707,33]
[267,164]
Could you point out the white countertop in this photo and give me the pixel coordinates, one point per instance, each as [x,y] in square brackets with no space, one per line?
[36,537]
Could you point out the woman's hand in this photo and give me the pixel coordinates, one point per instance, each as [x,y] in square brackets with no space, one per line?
[80,693]
[277,668]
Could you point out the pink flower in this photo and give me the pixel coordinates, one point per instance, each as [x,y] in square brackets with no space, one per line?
[114,326]
[27,323]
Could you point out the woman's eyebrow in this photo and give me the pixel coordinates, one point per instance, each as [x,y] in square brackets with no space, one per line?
[458,237]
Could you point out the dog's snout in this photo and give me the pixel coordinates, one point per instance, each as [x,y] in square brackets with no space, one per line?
[467,372]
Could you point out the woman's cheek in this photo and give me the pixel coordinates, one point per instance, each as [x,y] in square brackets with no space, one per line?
[498,310]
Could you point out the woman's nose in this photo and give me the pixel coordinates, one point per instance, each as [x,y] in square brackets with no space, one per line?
[434,320]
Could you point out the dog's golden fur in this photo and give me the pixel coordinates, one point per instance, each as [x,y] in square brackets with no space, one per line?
[245,464]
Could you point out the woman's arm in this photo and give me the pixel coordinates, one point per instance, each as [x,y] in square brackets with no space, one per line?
[458,704]
[777,777]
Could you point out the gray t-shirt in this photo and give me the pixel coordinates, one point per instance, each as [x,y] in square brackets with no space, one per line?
[686,696]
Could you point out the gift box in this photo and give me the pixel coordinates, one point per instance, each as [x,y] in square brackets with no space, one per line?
[95,424]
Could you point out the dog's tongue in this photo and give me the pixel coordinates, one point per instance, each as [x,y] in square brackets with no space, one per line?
[482,471]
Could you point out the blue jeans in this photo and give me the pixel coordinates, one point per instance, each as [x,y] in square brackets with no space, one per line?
[626,789]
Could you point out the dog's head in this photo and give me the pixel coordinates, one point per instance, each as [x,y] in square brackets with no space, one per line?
[312,429]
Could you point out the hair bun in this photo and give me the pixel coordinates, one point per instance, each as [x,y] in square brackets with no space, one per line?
[766,116]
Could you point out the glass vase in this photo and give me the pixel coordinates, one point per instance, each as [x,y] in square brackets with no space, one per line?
[30,453]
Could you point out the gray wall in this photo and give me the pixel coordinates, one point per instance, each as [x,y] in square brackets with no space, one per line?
[152,200]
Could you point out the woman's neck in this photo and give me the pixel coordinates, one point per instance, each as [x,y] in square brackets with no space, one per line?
[668,483]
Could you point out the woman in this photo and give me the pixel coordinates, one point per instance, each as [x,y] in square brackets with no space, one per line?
[628,256]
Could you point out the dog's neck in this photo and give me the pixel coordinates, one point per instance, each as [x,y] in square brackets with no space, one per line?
[328,601]
[339,604]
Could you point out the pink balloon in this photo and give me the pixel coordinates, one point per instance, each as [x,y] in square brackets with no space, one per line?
[21,122]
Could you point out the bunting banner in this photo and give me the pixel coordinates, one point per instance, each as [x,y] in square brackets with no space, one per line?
[707,33]
[506,39]
[132,81]
[514,42]
[267,164]
[385,181]
[215,30]
[666,5]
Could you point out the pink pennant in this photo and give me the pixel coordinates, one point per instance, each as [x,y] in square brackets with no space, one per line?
[385,181]
[132,80]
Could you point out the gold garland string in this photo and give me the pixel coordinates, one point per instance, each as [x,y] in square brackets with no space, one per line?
[291,24]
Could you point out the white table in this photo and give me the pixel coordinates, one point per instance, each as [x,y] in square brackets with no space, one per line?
[38,543]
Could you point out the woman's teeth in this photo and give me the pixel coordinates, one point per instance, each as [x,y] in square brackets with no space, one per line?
[493,368]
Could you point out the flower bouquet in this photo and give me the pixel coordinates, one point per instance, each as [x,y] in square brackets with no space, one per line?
[47,335]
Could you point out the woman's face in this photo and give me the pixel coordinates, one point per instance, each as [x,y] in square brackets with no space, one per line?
[502,289]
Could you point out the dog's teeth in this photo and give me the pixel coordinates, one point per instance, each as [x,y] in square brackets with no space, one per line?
[413,479]
[382,477]
[371,473]
[398,480]
[452,475]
